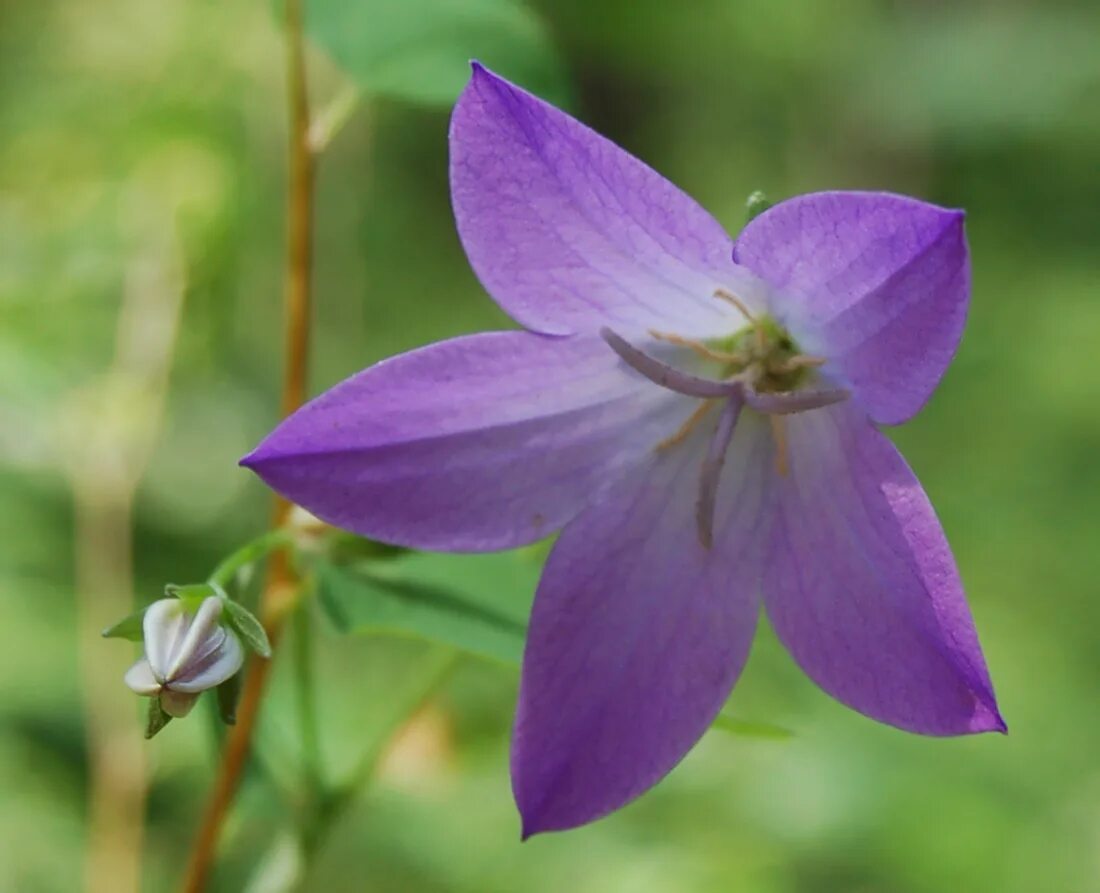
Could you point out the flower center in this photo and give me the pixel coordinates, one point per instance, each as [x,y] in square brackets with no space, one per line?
[760,366]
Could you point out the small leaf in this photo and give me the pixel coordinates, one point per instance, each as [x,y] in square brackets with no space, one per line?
[127,628]
[157,718]
[419,50]
[726,723]
[229,693]
[250,629]
[477,603]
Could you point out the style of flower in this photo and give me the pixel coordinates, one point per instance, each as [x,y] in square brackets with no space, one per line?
[699,418]
[187,651]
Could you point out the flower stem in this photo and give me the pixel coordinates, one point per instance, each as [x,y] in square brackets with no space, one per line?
[281,590]
[249,553]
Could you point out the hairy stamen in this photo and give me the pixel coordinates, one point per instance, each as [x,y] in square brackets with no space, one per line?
[793,364]
[757,325]
[685,429]
[712,470]
[700,348]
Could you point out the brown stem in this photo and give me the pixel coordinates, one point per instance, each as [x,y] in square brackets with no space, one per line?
[280,590]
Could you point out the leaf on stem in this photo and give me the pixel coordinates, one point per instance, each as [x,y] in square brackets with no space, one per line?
[419,50]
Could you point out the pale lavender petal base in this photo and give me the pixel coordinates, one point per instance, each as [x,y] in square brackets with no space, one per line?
[637,635]
[878,284]
[861,585]
[475,444]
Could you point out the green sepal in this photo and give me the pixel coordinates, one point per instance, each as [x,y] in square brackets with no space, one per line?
[127,628]
[194,594]
[157,718]
[247,626]
[229,693]
[756,204]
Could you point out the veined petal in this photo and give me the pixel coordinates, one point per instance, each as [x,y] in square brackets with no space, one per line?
[203,626]
[637,633]
[475,444]
[163,627]
[140,679]
[213,666]
[861,586]
[878,284]
[568,232]
[177,704]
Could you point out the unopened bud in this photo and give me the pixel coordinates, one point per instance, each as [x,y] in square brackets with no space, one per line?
[187,651]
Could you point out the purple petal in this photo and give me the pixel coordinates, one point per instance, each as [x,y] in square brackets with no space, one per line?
[877,283]
[637,634]
[475,444]
[861,586]
[568,232]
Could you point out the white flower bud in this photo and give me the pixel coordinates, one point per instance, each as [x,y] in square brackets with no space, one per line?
[186,652]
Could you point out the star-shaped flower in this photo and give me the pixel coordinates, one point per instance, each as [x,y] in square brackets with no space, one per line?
[698,417]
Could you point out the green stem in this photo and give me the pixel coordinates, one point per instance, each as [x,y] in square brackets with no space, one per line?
[247,554]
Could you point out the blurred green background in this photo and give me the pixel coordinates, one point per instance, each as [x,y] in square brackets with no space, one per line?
[142,154]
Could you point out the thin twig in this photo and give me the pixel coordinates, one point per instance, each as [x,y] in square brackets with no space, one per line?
[281,588]
[108,432]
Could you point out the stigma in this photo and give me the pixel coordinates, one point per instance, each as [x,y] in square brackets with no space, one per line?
[760,368]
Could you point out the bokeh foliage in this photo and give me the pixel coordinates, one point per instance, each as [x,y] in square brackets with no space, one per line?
[120,114]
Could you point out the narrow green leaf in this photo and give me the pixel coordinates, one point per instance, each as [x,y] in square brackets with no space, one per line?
[419,50]
[127,628]
[157,718]
[726,723]
[250,629]
[477,603]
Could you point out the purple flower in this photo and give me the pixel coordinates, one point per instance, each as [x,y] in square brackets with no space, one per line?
[698,417]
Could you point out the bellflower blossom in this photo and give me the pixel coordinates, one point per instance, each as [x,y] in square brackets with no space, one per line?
[699,418]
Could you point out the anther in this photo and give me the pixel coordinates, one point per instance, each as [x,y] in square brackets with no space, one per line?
[700,348]
[758,329]
[793,364]
[688,426]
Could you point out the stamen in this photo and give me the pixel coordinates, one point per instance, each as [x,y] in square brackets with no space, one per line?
[712,470]
[664,375]
[758,329]
[731,298]
[787,402]
[687,427]
[700,348]
[793,364]
[779,435]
